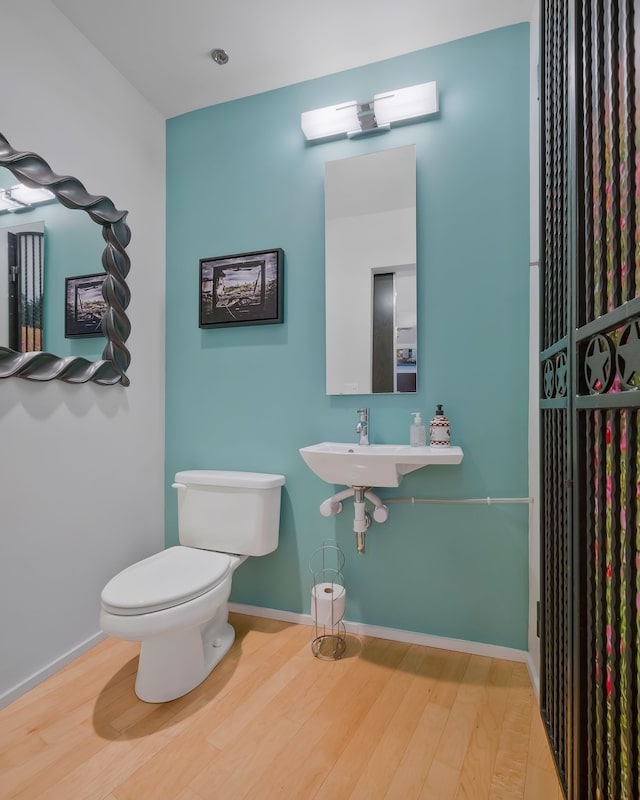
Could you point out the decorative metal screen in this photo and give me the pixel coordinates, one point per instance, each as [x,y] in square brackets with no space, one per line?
[612,603]
[555,595]
[608,358]
[555,364]
[591,707]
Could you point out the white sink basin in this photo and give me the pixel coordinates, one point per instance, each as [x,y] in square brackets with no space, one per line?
[373,465]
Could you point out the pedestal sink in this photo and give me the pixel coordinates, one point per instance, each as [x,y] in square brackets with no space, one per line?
[373,465]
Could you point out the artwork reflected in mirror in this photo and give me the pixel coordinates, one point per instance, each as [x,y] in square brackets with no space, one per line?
[85,305]
[370,273]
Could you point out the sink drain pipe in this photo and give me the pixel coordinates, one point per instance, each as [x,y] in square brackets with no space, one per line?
[362,519]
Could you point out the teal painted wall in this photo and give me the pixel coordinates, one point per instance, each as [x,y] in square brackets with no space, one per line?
[240,178]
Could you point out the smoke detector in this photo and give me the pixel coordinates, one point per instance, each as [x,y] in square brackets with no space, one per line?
[219,55]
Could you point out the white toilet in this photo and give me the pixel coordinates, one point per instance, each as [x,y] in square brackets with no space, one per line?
[175,602]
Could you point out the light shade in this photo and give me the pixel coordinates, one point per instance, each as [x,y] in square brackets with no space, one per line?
[330,121]
[22,198]
[352,118]
[402,104]
[25,194]
[6,203]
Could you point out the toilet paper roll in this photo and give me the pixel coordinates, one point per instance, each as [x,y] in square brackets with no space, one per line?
[327,604]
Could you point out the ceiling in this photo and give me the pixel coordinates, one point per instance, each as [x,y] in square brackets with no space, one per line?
[163,47]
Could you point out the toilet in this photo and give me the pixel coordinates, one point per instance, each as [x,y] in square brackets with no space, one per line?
[175,602]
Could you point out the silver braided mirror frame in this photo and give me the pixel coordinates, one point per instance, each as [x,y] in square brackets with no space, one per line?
[34,171]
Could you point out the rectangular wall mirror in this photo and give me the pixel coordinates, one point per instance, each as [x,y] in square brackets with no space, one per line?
[370,273]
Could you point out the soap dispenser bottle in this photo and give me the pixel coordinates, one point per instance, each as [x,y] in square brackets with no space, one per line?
[439,430]
[417,431]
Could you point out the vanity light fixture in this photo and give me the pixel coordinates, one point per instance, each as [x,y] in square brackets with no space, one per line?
[7,203]
[22,198]
[357,119]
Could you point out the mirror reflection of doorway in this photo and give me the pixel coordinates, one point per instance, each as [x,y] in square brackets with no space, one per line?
[393,365]
[383,349]
[26,290]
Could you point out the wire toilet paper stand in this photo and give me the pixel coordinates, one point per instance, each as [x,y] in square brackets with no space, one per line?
[328,597]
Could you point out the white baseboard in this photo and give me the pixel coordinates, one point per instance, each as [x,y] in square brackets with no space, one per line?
[21,688]
[411,637]
[533,674]
[359,628]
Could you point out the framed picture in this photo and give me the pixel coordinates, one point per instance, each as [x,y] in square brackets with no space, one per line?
[84,305]
[245,289]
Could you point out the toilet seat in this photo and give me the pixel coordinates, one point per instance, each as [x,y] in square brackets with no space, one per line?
[166,579]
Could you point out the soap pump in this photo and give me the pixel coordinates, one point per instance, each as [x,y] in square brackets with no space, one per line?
[439,430]
[417,431]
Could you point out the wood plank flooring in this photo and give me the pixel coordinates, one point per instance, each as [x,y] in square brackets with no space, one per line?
[390,720]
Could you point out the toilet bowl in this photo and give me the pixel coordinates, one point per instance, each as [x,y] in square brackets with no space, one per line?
[175,602]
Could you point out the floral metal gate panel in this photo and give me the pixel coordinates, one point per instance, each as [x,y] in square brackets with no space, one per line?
[591,244]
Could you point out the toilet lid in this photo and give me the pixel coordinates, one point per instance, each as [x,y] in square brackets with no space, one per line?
[166,579]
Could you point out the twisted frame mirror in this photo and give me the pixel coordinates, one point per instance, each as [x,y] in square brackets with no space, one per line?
[34,172]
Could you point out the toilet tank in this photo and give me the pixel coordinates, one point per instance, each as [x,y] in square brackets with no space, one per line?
[231,512]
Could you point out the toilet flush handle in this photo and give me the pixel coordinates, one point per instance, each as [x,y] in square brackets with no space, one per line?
[178,485]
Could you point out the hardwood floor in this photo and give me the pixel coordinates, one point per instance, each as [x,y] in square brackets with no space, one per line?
[389,720]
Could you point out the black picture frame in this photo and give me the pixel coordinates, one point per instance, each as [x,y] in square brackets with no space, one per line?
[242,289]
[85,305]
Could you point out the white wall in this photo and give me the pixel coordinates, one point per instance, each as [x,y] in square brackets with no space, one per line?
[81,492]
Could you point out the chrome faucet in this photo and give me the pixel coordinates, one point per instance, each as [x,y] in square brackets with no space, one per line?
[362,426]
